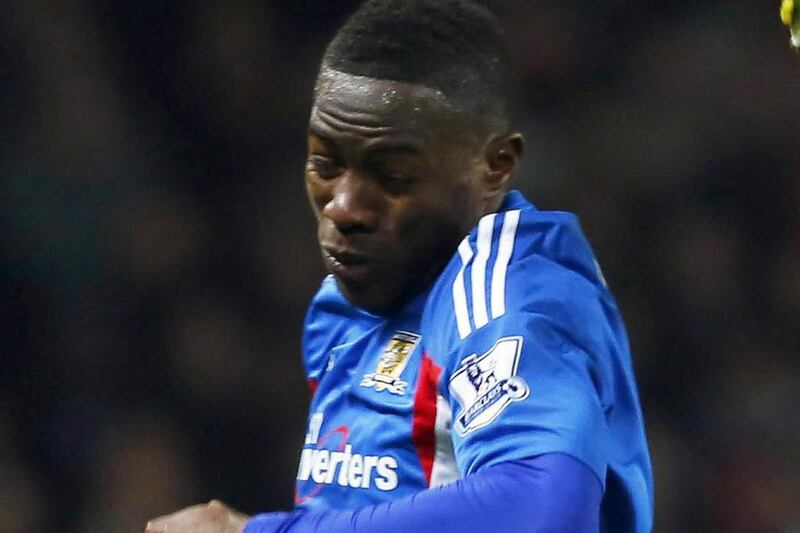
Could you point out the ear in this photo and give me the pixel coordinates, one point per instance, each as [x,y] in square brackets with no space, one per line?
[502,156]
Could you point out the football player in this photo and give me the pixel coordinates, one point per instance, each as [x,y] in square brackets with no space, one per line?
[470,368]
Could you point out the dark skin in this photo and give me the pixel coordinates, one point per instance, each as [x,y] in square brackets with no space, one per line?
[396,177]
[394,187]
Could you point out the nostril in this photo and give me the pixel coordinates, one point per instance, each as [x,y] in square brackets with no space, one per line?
[352,228]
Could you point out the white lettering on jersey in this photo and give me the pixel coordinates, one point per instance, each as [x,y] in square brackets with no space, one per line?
[478,262]
[484,386]
[387,473]
[348,469]
[313,428]
[341,466]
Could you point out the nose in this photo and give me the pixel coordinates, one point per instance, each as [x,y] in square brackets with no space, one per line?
[352,207]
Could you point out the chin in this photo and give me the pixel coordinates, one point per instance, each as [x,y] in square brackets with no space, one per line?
[373,298]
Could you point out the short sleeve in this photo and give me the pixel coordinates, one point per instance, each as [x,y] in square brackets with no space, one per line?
[524,329]
[519,388]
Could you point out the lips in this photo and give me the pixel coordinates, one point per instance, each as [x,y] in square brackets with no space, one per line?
[345,256]
[348,264]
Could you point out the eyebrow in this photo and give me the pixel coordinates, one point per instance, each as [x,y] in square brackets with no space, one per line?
[381,139]
[402,144]
[396,145]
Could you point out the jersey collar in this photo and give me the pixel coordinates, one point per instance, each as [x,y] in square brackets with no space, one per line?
[514,200]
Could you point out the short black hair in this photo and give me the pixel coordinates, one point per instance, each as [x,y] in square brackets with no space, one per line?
[455,46]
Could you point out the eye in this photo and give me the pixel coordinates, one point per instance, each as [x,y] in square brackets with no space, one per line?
[397,178]
[324,167]
[395,182]
[396,173]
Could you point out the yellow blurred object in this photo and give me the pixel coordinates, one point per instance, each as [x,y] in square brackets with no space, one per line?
[791,17]
[787,8]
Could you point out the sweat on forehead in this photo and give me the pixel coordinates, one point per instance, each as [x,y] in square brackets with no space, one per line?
[371,91]
[371,100]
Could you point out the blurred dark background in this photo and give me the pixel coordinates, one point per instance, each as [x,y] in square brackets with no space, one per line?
[157,254]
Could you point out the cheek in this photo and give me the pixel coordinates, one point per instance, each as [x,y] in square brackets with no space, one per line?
[457,190]
[462,200]
[318,196]
[427,232]
[455,206]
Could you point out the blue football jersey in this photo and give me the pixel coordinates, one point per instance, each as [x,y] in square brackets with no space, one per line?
[370,418]
[534,357]
[517,350]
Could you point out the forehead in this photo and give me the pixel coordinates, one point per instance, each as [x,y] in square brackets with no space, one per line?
[352,104]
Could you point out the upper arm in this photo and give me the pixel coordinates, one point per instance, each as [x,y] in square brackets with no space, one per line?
[520,390]
[526,355]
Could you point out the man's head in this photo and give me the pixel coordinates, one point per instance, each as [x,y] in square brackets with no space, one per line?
[408,143]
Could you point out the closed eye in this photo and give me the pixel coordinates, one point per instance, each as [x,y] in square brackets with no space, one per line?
[395,183]
[324,167]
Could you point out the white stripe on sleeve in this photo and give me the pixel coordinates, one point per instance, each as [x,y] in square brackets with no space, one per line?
[479,312]
[504,251]
[444,469]
[460,292]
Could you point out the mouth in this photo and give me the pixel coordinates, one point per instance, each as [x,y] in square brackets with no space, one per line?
[348,265]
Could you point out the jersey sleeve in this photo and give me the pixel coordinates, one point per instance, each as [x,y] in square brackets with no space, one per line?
[522,388]
[528,374]
[543,494]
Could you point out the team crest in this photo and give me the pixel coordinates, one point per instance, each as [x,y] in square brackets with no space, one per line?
[391,364]
[485,385]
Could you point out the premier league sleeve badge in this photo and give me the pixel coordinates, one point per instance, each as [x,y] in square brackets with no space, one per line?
[485,385]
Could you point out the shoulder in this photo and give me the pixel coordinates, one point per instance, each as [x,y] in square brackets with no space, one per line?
[515,263]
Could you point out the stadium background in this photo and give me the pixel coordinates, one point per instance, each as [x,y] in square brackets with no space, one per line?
[156,252]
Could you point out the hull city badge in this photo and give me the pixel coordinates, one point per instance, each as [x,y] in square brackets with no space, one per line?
[485,385]
[391,364]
